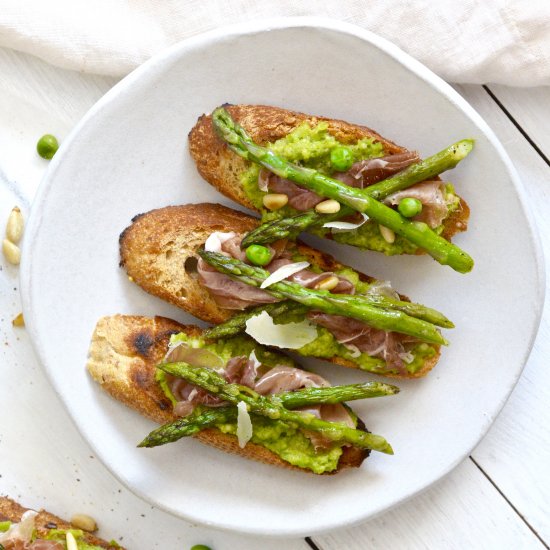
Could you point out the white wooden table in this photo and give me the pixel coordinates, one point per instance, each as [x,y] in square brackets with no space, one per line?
[497,498]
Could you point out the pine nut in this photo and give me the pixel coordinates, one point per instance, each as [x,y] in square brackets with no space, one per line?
[19,321]
[84,522]
[15,225]
[71,541]
[328,207]
[274,201]
[387,233]
[328,284]
[11,251]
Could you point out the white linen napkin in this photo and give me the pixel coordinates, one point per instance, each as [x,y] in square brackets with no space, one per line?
[470,41]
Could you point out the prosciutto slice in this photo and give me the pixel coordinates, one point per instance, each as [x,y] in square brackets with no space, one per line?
[375,342]
[228,293]
[281,378]
[298,197]
[309,279]
[20,532]
[361,174]
[231,294]
[241,370]
[432,196]
[238,370]
[19,535]
[188,396]
[369,171]
[330,413]
[38,544]
[232,247]
[41,544]
[198,357]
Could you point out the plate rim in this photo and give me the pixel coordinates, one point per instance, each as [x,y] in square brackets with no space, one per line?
[251,28]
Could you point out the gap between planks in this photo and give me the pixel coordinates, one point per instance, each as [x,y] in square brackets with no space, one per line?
[517,125]
[312,544]
[518,513]
[315,546]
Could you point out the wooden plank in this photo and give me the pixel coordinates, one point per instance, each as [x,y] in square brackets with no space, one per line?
[462,511]
[516,451]
[530,108]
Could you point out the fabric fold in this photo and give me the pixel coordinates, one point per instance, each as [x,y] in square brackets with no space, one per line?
[503,41]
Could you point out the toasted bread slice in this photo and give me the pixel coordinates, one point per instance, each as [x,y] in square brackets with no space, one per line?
[123,355]
[44,522]
[223,168]
[157,251]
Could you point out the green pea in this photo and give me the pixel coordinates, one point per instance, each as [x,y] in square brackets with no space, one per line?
[409,207]
[200,547]
[4,526]
[47,146]
[341,158]
[258,254]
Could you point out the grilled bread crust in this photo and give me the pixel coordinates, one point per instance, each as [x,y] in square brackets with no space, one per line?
[157,248]
[124,352]
[223,168]
[44,521]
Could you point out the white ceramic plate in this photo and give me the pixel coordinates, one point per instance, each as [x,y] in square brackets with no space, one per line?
[129,155]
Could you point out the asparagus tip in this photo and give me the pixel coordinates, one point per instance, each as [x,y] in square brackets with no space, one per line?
[464,147]
[388,450]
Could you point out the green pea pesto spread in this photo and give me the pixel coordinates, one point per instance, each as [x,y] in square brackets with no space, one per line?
[59,535]
[282,438]
[311,147]
[225,349]
[326,346]
[288,442]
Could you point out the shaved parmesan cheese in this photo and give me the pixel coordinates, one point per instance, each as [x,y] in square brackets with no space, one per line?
[382,288]
[339,227]
[289,336]
[355,351]
[283,273]
[20,531]
[216,239]
[71,541]
[244,424]
[254,360]
[263,180]
[407,357]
